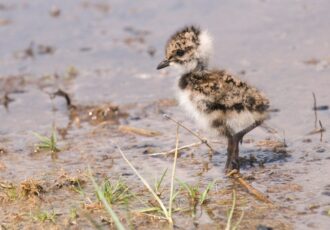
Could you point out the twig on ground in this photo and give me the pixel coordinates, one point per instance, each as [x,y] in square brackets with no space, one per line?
[321,130]
[149,215]
[5,100]
[64,94]
[138,131]
[195,144]
[315,111]
[146,184]
[259,195]
[172,151]
[203,140]
[268,128]
[317,131]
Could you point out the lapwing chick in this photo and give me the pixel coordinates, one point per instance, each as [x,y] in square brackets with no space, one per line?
[216,99]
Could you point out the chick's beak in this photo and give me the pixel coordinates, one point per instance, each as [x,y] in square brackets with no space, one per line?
[163,64]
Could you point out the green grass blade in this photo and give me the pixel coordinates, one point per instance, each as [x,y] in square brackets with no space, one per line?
[106,205]
[206,191]
[231,213]
[147,185]
[175,195]
[186,186]
[40,137]
[159,182]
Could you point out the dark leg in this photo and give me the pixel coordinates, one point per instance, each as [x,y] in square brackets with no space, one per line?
[241,133]
[233,147]
[233,151]
[230,152]
[235,161]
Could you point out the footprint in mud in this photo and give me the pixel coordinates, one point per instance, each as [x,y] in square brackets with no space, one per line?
[252,158]
[262,157]
[327,190]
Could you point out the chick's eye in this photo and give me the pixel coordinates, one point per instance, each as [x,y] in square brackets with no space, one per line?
[180,53]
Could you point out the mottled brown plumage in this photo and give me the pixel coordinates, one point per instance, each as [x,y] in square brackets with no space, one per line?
[217,100]
[223,92]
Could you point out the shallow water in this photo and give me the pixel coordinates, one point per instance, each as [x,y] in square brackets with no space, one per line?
[281,47]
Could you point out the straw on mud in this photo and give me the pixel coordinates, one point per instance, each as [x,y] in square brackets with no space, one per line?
[203,140]
[150,215]
[239,221]
[173,171]
[147,186]
[138,131]
[184,147]
[231,213]
[259,195]
[174,150]
[113,215]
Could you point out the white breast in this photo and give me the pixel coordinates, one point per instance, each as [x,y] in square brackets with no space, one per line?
[234,121]
[190,107]
[239,121]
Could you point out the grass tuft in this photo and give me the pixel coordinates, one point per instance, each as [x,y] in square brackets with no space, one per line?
[46,143]
[172,195]
[203,196]
[105,203]
[146,184]
[31,187]
[12,193]
[196,197]
[43,216]
[158,184]
[115,193]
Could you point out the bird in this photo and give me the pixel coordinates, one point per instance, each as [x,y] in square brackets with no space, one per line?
[220,102]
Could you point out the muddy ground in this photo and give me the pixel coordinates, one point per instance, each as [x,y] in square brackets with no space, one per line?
[103,54]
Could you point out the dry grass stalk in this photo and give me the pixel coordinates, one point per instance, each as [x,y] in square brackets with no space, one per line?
[6,185]
[146,184]
[315,111]
[138,131]
[173,171]
[270,143]
[316,129]
[31,187]
[106,205]
[321,130]
[195,144]
[203,140]
[153,217]
[231,213]
[259,195]
[172,151]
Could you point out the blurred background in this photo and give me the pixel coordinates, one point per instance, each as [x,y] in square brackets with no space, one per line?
[282,47]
